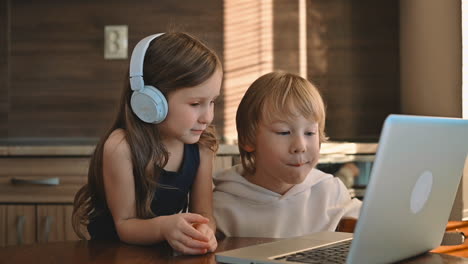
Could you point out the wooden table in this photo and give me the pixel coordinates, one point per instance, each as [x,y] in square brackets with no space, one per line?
[115,252]
[459,250]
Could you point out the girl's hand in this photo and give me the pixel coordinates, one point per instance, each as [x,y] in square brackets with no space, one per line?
[180,233]
[208,232]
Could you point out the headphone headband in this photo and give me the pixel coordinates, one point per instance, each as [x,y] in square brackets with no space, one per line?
[136,62]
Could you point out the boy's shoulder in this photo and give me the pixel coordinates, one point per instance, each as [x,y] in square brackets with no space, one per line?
[236,171]
[231,172]
[233,176]
[317,177]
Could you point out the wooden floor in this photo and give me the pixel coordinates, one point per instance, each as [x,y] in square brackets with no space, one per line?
[460,250]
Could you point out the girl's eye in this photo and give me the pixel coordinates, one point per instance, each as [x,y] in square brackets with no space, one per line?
[195,104]
[283,133]
[310,133]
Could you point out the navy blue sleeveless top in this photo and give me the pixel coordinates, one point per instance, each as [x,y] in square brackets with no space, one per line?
[171,196]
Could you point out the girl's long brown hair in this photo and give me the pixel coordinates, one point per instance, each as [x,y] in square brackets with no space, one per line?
[172,61]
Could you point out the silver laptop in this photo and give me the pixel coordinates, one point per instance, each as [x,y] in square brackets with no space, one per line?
[416,173]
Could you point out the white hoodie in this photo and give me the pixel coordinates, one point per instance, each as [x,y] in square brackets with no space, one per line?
[244,209]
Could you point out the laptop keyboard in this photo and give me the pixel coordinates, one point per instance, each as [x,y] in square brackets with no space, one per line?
[335,253]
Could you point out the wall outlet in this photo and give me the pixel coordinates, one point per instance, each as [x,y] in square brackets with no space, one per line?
[116,42]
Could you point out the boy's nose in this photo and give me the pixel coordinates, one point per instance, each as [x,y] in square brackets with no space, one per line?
[298,145]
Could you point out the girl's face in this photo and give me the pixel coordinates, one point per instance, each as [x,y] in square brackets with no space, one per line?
[190,111]
[286,151]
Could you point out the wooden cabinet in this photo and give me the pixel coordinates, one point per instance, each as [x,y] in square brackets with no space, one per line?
[38,185]
[37,188]
[27,224]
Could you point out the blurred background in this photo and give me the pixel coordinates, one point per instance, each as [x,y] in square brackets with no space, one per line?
[61,72]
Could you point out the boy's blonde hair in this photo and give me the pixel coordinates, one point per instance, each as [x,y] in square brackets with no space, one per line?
[272,95]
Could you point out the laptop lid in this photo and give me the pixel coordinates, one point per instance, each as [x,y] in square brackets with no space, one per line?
[413,183]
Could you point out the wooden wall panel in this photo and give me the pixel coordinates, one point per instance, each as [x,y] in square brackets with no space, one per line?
[54,81]
[60,84]
[353,57]
[4,98]
[248,53]
[3,225]
[286,35]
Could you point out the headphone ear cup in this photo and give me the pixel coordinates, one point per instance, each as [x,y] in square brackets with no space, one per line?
[149,104]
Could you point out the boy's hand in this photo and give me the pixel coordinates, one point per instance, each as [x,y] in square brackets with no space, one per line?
[180,233]
[208,232]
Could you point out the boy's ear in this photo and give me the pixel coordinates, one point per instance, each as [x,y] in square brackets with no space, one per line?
[248,148]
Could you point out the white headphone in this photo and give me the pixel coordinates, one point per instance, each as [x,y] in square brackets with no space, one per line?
[147,102]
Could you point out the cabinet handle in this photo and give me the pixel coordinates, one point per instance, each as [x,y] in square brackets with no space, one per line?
[49,220]
[20,228]
[47,181]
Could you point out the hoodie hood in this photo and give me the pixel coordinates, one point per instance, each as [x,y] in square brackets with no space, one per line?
[243,209]
[231,181]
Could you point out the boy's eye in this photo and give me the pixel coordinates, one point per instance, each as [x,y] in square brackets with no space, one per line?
[310,133]
[195,104]
[283,133]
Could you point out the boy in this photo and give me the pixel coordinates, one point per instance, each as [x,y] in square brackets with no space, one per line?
[276,191]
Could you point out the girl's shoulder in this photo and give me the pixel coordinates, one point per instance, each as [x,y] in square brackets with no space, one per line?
[116,143]
[117,136]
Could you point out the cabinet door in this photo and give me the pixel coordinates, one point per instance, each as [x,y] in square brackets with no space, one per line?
[54,223]
[17,224]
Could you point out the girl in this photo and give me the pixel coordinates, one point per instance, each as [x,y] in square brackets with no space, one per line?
[147,164]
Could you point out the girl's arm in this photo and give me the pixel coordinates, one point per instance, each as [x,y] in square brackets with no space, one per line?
[119,187]
[201,196]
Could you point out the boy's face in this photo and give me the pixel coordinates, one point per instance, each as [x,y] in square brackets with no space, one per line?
[285,152]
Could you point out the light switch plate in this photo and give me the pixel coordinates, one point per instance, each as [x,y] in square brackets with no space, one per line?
[115,42]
